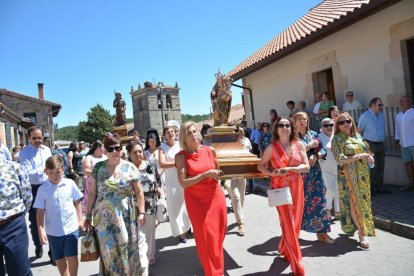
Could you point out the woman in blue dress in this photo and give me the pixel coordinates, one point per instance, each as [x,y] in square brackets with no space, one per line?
[315,219]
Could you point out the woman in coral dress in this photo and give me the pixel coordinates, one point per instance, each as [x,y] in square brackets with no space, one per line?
[288,159]
[198,174]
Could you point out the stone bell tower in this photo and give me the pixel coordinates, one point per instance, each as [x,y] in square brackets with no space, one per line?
[154,105]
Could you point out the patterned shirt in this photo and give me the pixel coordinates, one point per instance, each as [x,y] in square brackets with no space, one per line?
[150,180]
[372,126]
[34,160]
[15,189]
[4,151]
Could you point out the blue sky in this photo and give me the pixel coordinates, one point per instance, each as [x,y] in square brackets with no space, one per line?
[83,50]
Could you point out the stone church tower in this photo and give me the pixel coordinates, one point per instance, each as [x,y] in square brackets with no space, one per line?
[155,105]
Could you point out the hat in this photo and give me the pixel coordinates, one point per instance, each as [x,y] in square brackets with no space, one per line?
[173,123]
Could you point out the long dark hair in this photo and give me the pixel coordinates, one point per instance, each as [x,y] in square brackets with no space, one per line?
[96,144]
[152,133]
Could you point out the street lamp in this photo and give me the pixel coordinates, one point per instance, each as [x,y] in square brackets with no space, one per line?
[160,88]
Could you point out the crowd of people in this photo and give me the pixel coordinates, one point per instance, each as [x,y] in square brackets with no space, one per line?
[114,190]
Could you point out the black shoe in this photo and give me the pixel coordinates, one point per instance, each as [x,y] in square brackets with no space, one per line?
[52,262]
[384,191]
[39,252]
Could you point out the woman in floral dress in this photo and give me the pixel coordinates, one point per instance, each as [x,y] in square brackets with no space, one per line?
[353,158]
[113,198]
[315,216]
[151,185]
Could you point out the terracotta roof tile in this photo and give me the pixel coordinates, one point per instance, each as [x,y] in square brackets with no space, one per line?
[315,20]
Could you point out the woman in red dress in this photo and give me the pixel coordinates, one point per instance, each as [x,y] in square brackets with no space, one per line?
[288,159]
[198,174]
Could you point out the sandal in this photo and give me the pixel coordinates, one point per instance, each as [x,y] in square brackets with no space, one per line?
[240,229]
[363,242]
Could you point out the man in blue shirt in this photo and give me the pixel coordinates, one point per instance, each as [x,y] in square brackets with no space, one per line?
[372,127]
[15,198]
[33,159]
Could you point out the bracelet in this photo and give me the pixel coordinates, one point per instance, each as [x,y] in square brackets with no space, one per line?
[141,214]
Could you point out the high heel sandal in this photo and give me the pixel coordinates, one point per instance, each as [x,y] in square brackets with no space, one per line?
[363,242]
[240,229]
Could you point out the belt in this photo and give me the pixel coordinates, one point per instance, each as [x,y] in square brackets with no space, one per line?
[371,142]
[9,219]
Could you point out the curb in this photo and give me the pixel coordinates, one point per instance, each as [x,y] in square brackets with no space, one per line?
[394,227]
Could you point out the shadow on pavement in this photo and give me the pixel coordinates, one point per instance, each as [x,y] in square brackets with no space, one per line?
[343,244]
[276,268]
[267,248]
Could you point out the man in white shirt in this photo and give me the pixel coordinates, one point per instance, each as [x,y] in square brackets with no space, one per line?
[351,103]
[33,159]
[404,137]
[318,99]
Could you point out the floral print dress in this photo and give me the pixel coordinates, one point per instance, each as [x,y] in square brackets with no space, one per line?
[316,218]
[150,180]
[354,184]
[115,220]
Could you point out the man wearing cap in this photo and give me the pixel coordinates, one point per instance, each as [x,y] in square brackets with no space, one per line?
[15,198]
[351,103]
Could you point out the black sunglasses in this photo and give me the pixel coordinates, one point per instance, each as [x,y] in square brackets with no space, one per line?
[328,125]
[345,122]
[349,95]
[116,148]
[283,125]
[380,105]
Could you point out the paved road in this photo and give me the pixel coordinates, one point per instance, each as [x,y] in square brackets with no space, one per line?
[256,253]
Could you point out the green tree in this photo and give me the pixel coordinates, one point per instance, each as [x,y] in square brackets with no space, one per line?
[195,118]
[98,122]
[68,133]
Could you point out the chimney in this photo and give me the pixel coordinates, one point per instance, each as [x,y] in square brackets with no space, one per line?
[40,89]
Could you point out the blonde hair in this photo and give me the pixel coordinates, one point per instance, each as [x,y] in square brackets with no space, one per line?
[344,116]
[300,115]
[183,133]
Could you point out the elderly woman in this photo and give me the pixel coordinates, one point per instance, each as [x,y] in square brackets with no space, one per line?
[315,218]
[177,211]
[288,159]
[95,155]
[198,174]
[353,157]
[116,203]
[329,166]
[151,183]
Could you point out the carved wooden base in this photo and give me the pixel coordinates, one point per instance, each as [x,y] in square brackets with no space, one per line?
[234,160]
[123,134]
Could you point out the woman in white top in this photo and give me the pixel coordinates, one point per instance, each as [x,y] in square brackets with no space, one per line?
[329,167]
[177,212]
[237,187]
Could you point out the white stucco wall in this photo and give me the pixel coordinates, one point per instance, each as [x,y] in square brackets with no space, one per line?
[360,54]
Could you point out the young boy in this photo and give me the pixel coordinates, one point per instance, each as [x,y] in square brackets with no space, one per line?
[59,199]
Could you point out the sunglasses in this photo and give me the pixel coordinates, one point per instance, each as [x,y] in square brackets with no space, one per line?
[265,126]
[349,95]
[380,105]
[283,125]
[328,125]
[345,122]
[116,148]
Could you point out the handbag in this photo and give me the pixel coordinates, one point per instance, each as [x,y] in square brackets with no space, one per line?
[161,213]
[89,247]
[278,197]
